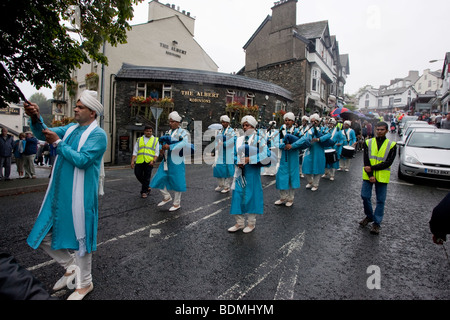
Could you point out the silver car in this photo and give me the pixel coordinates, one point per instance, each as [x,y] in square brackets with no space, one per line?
[426,154]
[412,125]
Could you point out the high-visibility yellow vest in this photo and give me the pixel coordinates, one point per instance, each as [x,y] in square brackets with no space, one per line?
[146,152]
[378,156]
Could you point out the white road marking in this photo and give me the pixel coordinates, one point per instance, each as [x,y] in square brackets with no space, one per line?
[241,288]
[134,232]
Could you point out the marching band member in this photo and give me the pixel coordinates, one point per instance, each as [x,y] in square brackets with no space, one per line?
[303,128]
[223,168]
[247,195]
[272,134]
[288,178]
[171,172]
[314,159]
[337,138]
[349,140]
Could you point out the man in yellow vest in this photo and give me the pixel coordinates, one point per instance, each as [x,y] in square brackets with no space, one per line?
[379,154]
[145,153]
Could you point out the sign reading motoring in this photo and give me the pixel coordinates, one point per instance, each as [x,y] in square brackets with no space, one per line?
[197,96]
[172,50]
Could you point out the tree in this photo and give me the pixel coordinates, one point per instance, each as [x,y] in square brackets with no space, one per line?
[45,106]
[42,41]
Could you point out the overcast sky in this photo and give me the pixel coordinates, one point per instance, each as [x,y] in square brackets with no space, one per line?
[384,39]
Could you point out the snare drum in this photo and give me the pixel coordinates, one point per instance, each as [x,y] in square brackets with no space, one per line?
[348,152]
[331,156]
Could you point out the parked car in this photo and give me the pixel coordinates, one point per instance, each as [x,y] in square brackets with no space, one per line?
[404,120]
[411,126]
[426,154]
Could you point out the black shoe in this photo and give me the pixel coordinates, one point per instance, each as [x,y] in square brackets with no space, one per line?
[364,222]
[375,229]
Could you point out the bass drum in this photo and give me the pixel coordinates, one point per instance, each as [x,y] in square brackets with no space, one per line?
[348,152]
[331,156]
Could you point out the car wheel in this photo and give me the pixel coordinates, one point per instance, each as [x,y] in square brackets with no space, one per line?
[400,174]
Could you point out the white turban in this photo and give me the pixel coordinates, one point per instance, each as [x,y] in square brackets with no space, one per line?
[289,116]
[348,122]
[273,122]
[333,121]
[89,99]
[305,118]
[250,119]
[225,118]
[315,116]
[175,116]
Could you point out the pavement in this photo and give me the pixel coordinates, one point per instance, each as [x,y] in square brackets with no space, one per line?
[18,185]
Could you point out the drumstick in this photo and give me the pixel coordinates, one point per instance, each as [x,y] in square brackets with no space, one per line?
[8,76]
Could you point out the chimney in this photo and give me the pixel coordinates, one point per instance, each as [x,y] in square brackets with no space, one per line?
[284,15]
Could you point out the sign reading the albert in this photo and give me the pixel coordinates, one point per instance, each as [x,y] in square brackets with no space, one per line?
[172,50]
[199,96]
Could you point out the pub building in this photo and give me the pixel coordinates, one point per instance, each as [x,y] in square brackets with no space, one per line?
[197,95]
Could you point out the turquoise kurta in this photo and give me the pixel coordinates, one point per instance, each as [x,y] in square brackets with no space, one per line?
[288,174]
[314,158]
[56,210]
[349,137]
[338,139]
[174,178]
[224,167]
[248,197]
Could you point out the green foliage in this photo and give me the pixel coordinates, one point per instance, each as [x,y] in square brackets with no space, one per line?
[37,43]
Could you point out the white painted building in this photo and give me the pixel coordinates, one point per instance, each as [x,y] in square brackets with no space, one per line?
[428,81]
[166,40]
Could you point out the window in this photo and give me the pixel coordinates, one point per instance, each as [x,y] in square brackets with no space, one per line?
[279,106]
[230,96]
[167,91]
[391,102]
[380,103]
[249,100]
[315,80]
[141,89]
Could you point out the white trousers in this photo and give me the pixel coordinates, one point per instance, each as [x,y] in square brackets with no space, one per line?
[225,182]
[176,197]
[287,194]
[66,259]
[313,179]
[344,163]
[240,219]
[330,172]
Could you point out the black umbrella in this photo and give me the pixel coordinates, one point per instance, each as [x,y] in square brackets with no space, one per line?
[349,115]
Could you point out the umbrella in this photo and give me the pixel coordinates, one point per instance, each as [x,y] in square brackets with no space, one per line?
[349,115]
[215,126]
[338,111]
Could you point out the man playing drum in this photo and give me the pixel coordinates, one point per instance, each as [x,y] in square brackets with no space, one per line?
[332,154]
[348,147]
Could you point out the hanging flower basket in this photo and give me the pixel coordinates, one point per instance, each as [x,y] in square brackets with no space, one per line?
[72,87]
[142,106]
[91,80]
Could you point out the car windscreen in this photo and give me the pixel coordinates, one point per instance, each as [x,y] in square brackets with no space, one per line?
[434,140]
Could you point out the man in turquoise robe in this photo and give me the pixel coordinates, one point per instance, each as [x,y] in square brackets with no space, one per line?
[225,143]
[314,159]
[171,172]
[247,195]
[69,213]
[288,174]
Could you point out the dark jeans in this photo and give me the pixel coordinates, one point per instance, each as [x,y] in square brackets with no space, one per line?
[380,194]
[143,172]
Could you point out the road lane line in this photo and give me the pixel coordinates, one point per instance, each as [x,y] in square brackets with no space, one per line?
[131,233]
[241,288]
